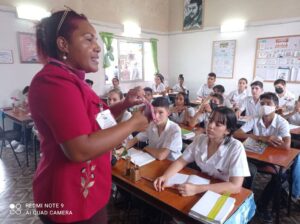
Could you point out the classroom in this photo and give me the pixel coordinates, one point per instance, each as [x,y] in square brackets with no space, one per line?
[110,107]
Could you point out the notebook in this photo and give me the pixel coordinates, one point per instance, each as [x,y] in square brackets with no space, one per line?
[212,208]
[186,134]
[255,146]
[139,158]
[180,178]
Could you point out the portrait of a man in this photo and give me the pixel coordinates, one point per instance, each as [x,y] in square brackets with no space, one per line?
[192,14]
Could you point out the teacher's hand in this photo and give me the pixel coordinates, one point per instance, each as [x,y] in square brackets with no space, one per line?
[140,120]
[134,97]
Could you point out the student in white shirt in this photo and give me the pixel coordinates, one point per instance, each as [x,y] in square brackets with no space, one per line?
[164,135]
[114,96]
[216,153]
[272,129]
[207,107]
[221,90]
[286,98]
[179,87]
[159,87]
[148,94]
[180,111]
[206,89]
[251,103]
[237,97]
[115,84]
[294,116]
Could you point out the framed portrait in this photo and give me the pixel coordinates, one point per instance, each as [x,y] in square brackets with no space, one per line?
[27,48]
[192,14]
[6,57]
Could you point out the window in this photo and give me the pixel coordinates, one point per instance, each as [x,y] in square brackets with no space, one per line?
[133,61]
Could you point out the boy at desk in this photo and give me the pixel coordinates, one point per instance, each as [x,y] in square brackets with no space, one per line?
[272,129]
[164,135]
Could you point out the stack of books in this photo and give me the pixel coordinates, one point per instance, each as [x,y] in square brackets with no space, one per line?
[186,134]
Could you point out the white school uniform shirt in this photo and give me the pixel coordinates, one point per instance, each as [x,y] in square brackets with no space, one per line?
[177,88]
[288,100]
[170,138]
[178,117]
[228,161]
[126,116]
[295,119]
[279,127]
[237,97]
[204,91]
[160,88]
[203,118]
[251,108]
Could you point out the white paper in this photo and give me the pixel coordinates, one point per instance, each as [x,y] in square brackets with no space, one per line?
[180,178]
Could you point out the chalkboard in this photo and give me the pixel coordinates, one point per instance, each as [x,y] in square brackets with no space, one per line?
[278,58]
[223,58]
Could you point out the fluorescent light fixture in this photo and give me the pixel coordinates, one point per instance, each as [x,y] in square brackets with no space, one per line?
[233,25]
[131,29]
[31,12]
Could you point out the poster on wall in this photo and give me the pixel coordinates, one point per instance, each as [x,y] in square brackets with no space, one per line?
[278,57]
[192,14]
[6,57]
[223,58]
[27,48]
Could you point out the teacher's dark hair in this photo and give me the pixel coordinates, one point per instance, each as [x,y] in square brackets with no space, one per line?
[47,32]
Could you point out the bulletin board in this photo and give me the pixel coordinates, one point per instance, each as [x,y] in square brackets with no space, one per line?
[223,58]
[278,58]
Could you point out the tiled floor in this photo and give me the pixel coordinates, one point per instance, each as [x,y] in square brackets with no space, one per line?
[15,190]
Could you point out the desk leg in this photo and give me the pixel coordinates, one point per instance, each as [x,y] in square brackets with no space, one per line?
[277,195]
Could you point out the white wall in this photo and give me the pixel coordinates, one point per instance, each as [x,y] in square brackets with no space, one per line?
[190,54]
[13,77]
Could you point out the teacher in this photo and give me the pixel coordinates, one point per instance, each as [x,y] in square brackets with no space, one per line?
[73,180]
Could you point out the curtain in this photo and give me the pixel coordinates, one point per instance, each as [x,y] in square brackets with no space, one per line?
[107,39]
[154,53]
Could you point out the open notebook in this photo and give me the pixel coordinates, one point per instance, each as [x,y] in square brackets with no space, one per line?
[186,134]
[139,158]
[180,178]
[212,208]
[255,146]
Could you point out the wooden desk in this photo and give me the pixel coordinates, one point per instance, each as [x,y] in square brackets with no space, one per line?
[20,117]
[276,157]
[168,201]
[195,103]
[295,131]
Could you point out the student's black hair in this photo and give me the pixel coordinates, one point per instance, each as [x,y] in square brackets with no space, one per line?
[121,95]
[225,116]
[198,2]
[116,78]
[219,89]
[161,102]
[257,83]
[218,96]
[160,76]
[212,75]
[90,82]
[270,96]
[280,81]
[181,77]
[185,97]
[244,79]
[148,89]
[25,90]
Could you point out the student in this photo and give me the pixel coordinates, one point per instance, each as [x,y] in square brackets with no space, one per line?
[216,153]
[164,136]
[159,87]
[251,103]
[208,105]
[294,116]
[89,82]
[114,96]
[206,89]
[116,84]
[272,129]
[286,98]
[148,94]
[180,112]
[75,169]
[179,87]
[236,97]
[221,90]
